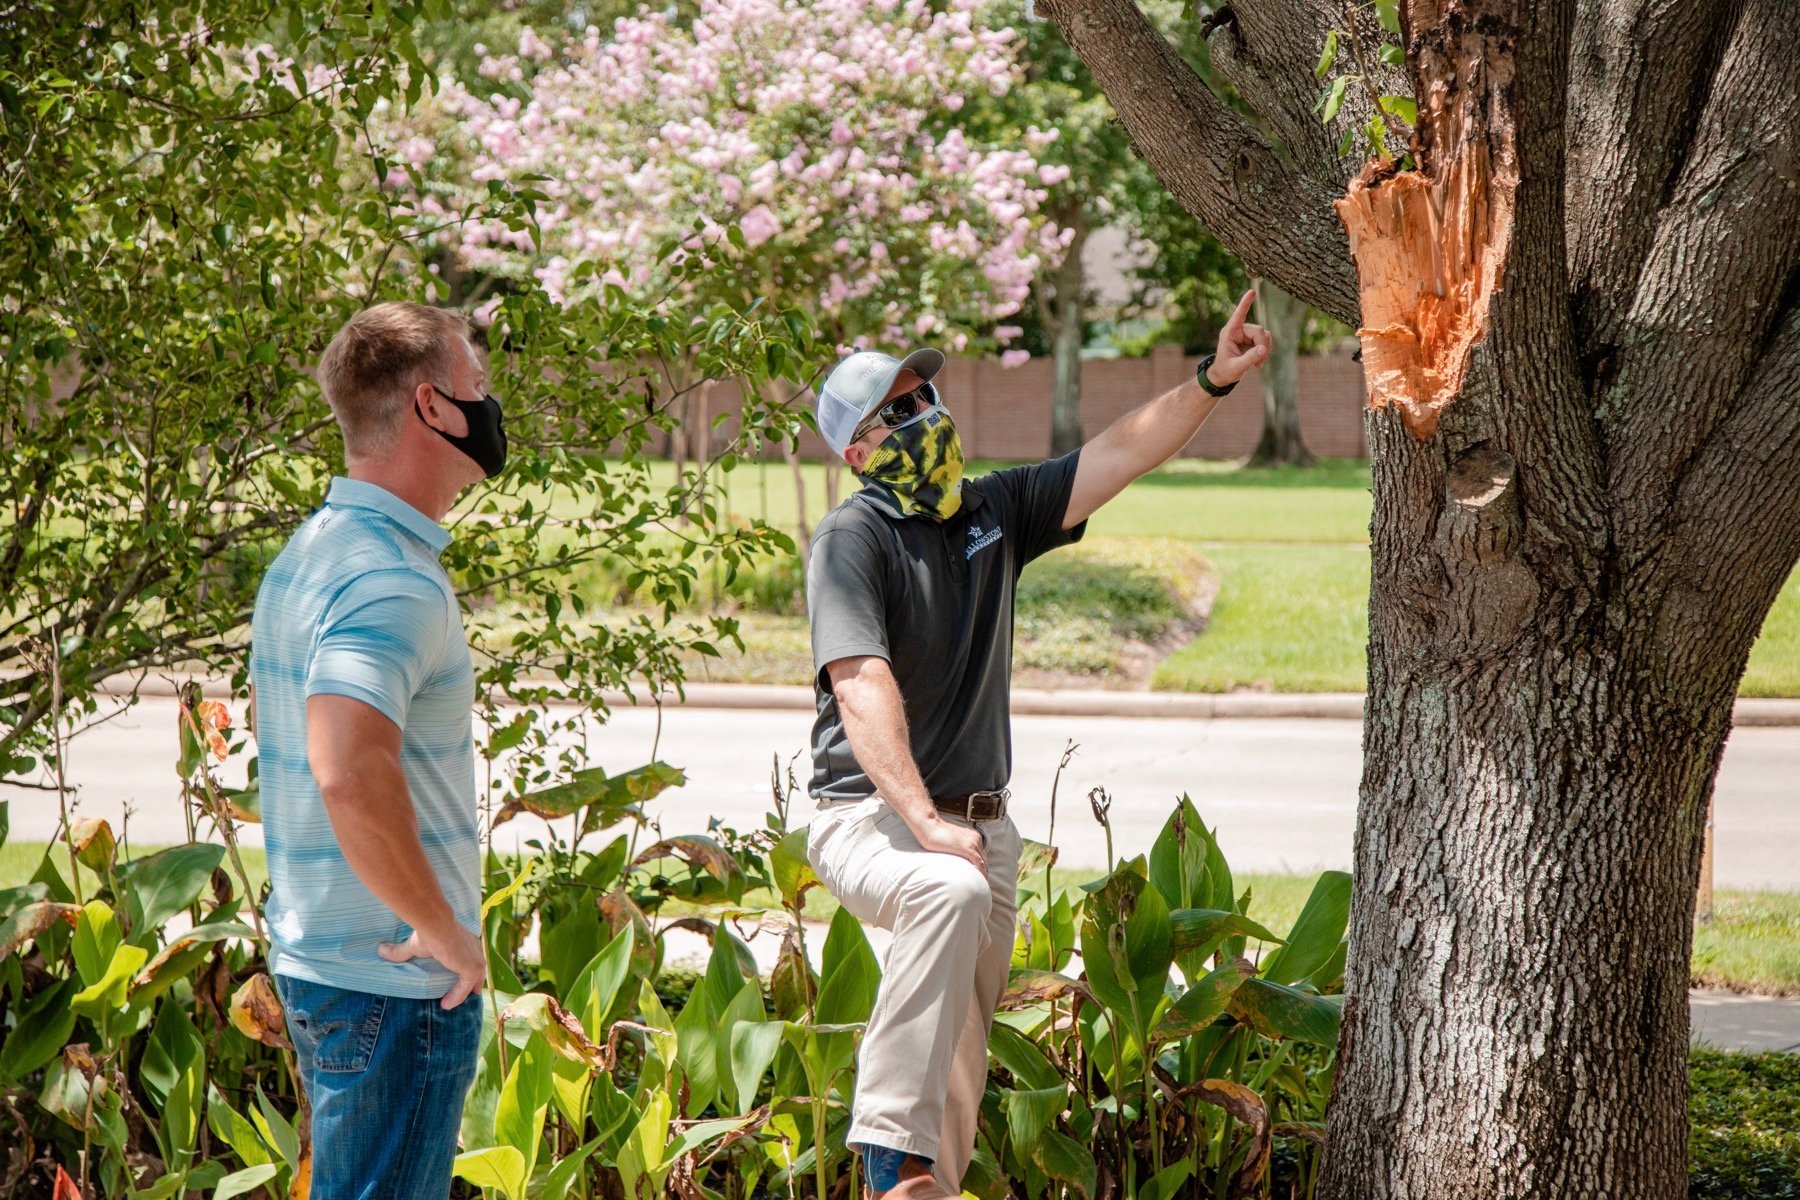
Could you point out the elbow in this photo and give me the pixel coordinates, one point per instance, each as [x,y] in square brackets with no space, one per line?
[854,681]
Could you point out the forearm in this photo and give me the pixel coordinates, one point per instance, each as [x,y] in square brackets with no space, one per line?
[1151,434]
[371,813]
[875,722]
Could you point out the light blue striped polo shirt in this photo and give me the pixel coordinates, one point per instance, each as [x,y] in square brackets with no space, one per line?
[358,605]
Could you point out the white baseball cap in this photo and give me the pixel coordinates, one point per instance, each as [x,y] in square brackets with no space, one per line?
[857,386]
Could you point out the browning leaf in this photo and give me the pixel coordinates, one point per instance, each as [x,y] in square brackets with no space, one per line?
[256,1013]
[1032,987]
[1248,1108]
[33,920]
[559,1027]
[94,845]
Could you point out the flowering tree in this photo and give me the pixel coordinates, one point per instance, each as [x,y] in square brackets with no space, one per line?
[825,136]
[812,155]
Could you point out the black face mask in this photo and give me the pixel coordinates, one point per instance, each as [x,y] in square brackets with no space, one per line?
[485,442]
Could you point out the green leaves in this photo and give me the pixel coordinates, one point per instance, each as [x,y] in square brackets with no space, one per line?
[1277,1011]
[158,887]
[1317,931]
[1334,99]
[1127,948]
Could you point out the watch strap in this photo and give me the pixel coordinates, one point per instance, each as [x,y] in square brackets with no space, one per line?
[1206,385]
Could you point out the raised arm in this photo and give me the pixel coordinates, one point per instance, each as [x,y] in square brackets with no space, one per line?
[875,721]
[355,755]
[1148,436]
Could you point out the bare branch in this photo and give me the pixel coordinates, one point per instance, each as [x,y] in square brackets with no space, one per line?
[1253,199]
[1636,87]
[1724,253]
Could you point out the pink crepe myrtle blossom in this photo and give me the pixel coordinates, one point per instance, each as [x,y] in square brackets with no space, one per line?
[759,225]
[826,133]
[1014,358]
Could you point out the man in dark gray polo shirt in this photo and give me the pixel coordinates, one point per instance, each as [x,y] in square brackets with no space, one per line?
[910,592]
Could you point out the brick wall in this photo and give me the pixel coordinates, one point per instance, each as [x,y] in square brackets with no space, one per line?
[1005,414]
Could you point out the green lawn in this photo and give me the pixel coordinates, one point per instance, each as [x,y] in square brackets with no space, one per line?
[1774,668]
[1289,545]
[1752,943]
[1744,1126]
[1286,619]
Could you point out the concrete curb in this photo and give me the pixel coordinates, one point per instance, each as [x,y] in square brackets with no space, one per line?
[1029,702]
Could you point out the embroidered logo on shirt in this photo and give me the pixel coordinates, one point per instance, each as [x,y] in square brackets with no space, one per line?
[979,540]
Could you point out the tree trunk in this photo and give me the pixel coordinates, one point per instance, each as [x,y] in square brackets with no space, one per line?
[1581,335]
[1285,319]
[1065,312]
[1533,799]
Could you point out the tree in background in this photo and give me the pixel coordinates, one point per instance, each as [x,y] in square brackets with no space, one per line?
[1099,181]
[1575,286]
[190,213]
[810,155]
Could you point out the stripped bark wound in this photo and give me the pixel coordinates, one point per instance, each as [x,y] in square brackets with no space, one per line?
[1430,244]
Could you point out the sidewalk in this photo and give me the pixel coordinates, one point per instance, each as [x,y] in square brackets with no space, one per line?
[1073,702]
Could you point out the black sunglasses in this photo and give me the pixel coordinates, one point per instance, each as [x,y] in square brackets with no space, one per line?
[901,409]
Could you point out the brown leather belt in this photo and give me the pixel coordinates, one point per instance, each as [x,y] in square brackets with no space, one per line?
[976,806]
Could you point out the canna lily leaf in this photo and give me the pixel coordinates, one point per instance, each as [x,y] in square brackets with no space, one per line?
[697,851]
[1277,1011]
[1203,1002]
[1035,987]
[33,920]
[542,1013]
[1200,931]
[1317,933]
[1253,1113]
[792,869]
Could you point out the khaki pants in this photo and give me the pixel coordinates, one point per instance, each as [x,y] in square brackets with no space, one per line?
[922,1066]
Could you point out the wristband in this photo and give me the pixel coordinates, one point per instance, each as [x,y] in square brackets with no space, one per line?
[1206,385]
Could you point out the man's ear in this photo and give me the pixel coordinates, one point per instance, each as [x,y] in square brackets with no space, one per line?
[856,456]
[425,403]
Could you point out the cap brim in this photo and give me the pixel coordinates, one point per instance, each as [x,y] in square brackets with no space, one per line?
[924,363]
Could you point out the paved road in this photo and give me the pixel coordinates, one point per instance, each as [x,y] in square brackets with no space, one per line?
[1282,792]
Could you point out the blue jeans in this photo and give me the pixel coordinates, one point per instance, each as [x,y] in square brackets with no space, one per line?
[387,1077]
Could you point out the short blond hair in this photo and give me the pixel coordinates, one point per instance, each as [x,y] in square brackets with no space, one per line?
[376,362]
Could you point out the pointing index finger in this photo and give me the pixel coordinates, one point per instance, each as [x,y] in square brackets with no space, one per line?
[1242,310]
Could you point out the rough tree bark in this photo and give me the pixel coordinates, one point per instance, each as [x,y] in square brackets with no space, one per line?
[1062,310]
[1581,326]
[1284,317]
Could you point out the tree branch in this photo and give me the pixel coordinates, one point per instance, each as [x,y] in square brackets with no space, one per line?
[1724,253]
[1735,521]
[1635,91]
[1263,48]
[1259,204]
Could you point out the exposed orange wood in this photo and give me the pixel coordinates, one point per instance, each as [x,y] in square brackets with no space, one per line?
[1430,248]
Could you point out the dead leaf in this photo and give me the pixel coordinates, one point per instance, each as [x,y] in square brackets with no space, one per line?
[65,1188]
[1034,987]
[1312,1131]
[212,714]
[33,920]
[256,1012]
[94,845]
[541,1012]
[696,851]
[1249,1108]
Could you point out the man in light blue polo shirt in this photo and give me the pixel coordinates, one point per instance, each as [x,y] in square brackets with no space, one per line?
[364,692]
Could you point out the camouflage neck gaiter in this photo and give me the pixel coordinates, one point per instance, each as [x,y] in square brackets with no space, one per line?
[920,464]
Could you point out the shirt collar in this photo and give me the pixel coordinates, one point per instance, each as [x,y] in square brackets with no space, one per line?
[357,493]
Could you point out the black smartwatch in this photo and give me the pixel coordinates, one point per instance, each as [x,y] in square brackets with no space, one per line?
[1206,385]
